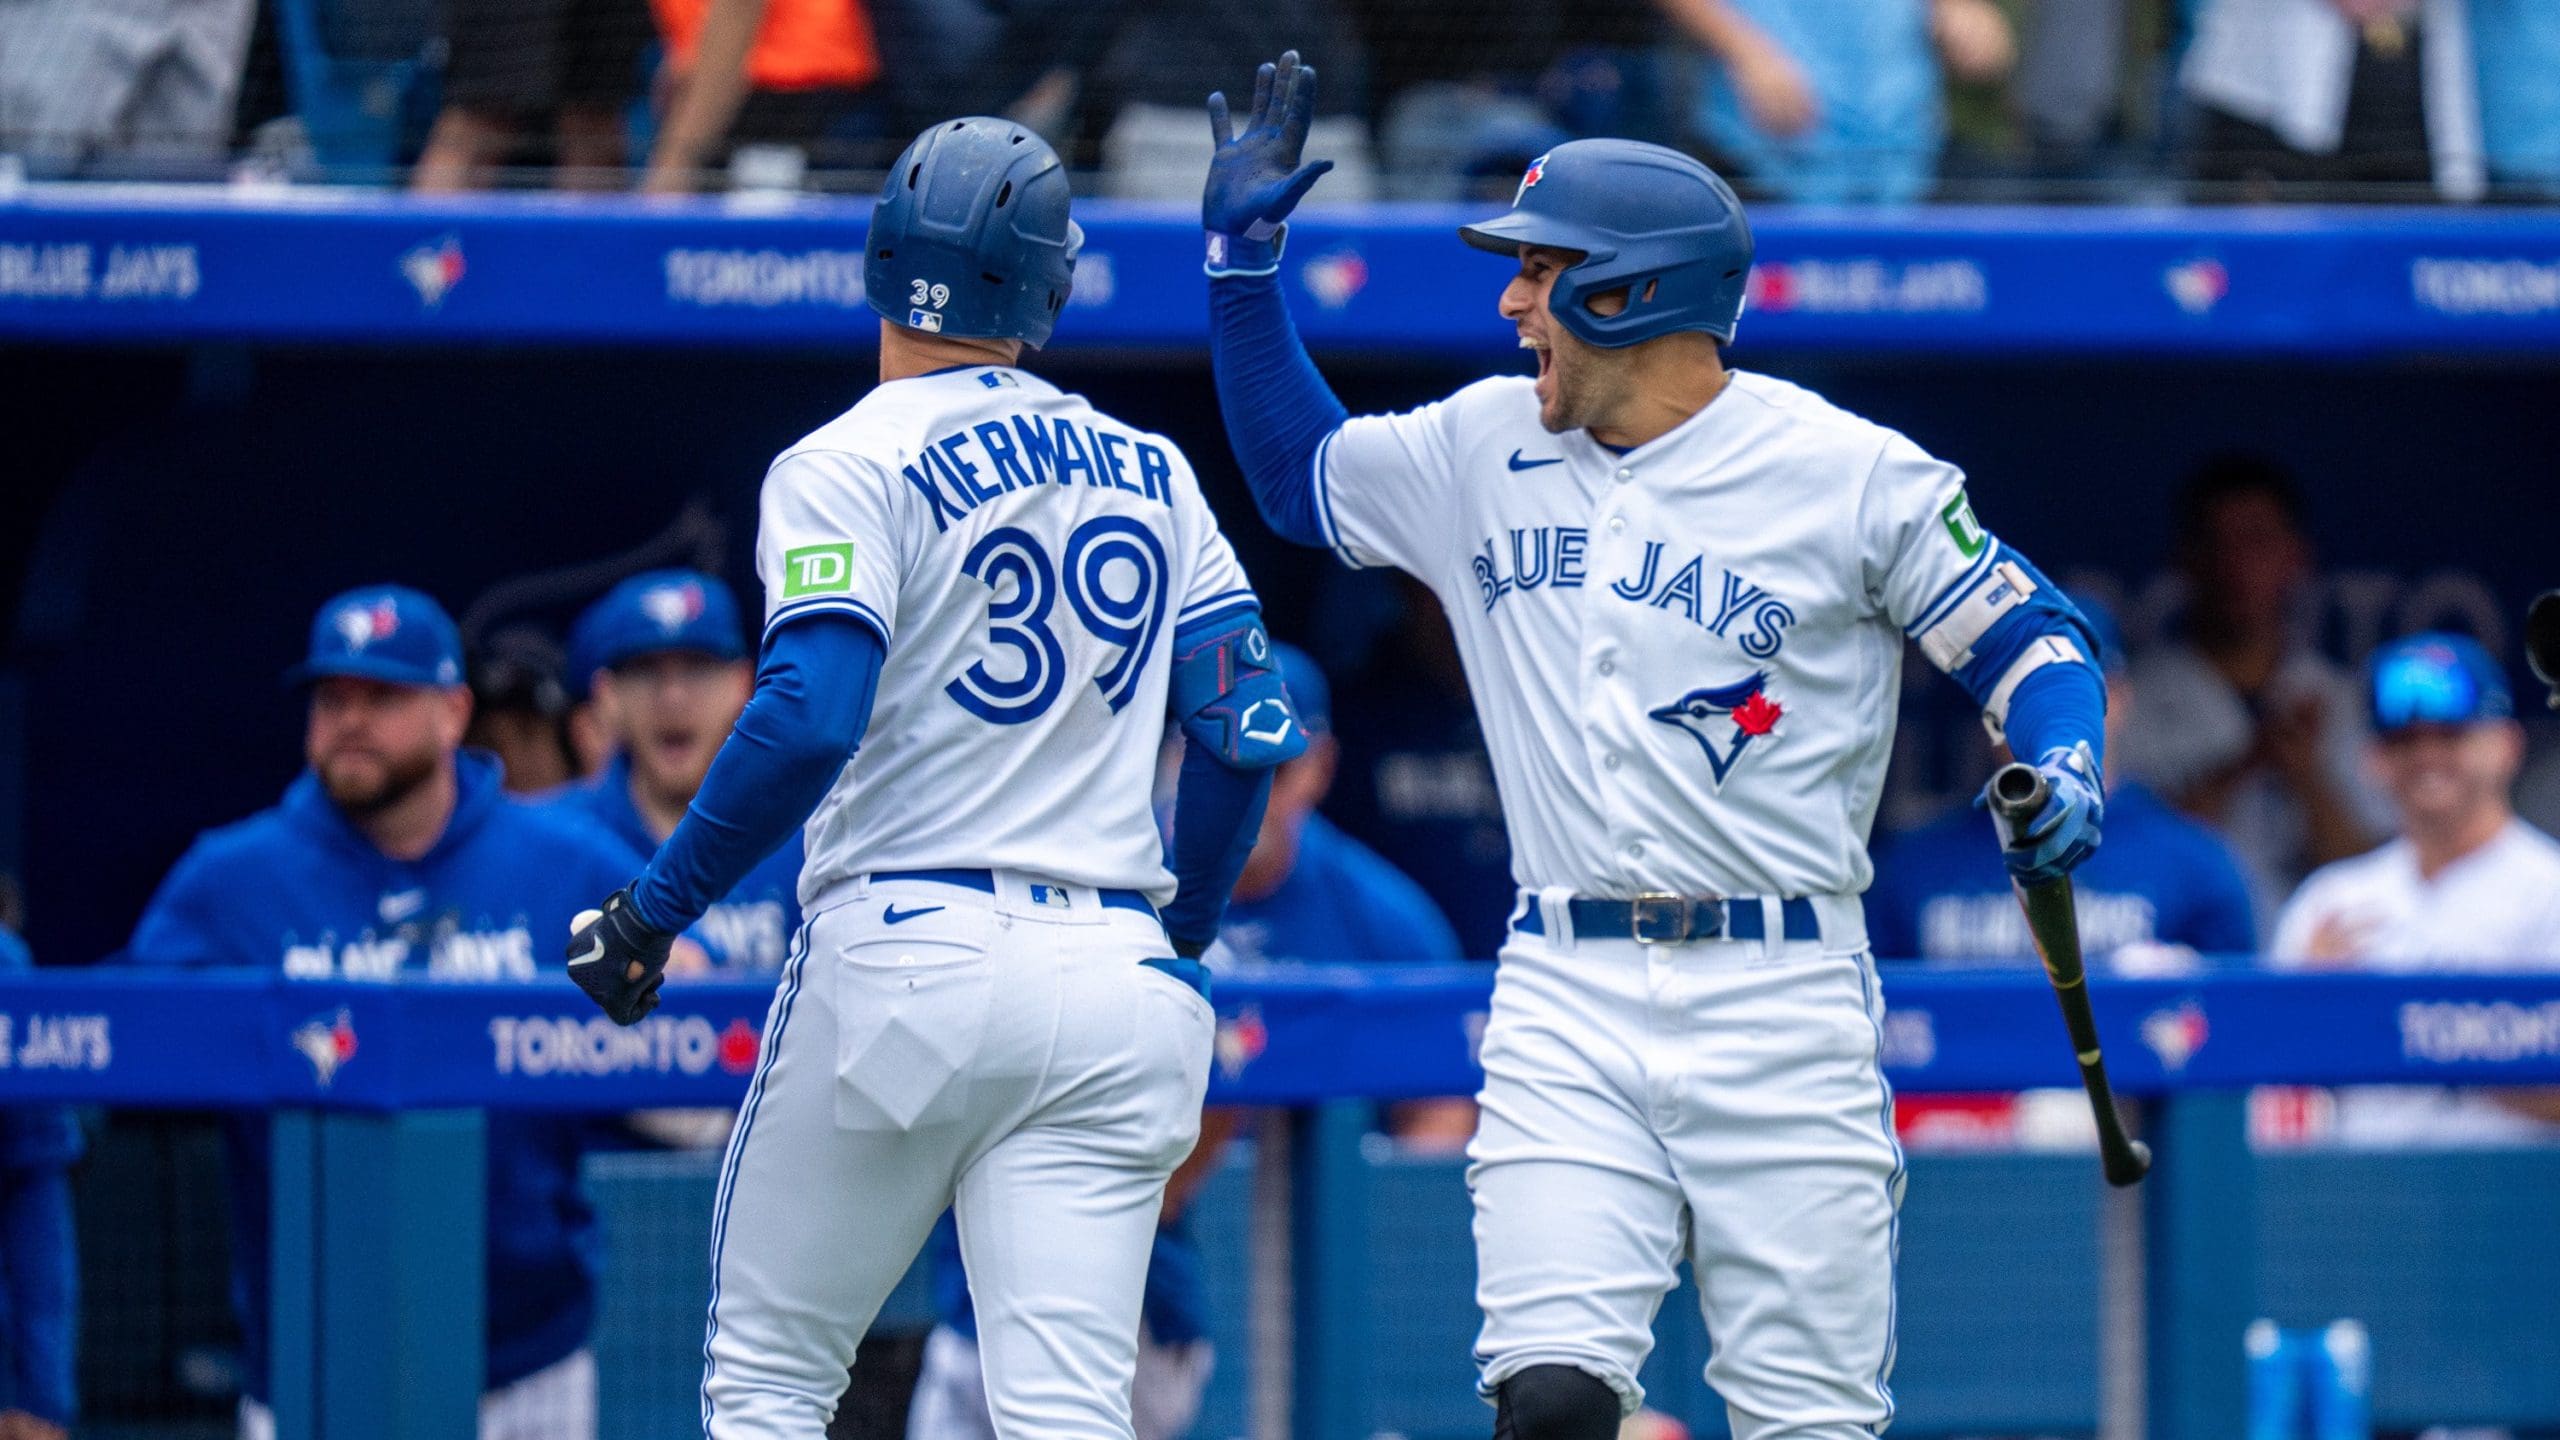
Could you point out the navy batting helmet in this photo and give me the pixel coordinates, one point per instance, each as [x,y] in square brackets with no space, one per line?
[1648,220]
[971,235]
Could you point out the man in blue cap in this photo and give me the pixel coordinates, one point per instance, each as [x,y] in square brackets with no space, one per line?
[395,855]
[2163,880]
[669,664]
[2464,886]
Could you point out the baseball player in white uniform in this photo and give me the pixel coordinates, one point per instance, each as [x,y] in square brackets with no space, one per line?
[1681,594]
[2465,886]
[995,1003]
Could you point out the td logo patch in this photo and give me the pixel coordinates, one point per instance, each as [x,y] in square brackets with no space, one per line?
[817,570]
[1725,720]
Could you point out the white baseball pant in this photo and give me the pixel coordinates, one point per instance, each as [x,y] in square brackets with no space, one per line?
[1720,1101]
[951,1390]
[1004,1056]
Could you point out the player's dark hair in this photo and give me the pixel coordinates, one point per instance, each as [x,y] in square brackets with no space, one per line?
[2231,476]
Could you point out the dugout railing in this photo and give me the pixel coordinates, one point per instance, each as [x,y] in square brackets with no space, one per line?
[1358,1323]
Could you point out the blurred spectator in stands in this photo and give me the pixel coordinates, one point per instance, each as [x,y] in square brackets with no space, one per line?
[396,855]
[2245,726]
[40,1303]
[515,66]
[2162,883]
[1414,781]
[672,672]
[1310,892]
[2337,100]
[2517,44]
[121,87]
[520,710]
[1839,100]
[755,72]
[2465,886]
[1172,53]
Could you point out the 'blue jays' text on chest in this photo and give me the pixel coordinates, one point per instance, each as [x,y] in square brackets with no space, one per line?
[977,463]
[1553,557]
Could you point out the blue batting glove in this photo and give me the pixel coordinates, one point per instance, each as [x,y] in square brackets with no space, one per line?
[1255,179]
[2066,832]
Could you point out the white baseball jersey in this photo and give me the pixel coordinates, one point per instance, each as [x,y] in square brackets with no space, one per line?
[1029,559]
[1686,657]
[2497,908]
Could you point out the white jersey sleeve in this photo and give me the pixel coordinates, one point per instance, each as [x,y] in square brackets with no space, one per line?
[831,540]
[1917,537]
[1385,488]
[1932,568]
[1217,581]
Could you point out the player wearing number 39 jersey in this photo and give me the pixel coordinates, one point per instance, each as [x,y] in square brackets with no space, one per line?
[983,600]
[1681,594]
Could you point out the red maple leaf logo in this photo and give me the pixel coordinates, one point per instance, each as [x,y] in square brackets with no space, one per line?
[1758,715]
[738,1047]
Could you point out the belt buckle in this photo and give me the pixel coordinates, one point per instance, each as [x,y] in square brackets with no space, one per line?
[1659,918]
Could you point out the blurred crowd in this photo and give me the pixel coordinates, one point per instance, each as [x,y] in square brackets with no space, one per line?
[1805,100]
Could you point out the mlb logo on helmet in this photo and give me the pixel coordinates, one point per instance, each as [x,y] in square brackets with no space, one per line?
[925,320]
[1529,178]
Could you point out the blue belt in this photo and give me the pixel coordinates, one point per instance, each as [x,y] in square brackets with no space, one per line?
[1673,919]
[985,881]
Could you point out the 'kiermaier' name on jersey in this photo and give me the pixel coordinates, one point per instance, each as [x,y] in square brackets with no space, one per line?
[1028,560]
[1687,657]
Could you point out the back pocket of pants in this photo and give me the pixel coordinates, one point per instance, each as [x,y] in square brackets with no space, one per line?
[911,1014]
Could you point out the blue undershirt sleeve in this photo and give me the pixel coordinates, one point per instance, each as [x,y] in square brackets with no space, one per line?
[1278,409]
[2056,708]
[812,703]
[1217,815]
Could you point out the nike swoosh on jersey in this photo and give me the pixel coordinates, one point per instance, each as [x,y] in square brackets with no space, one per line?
[1519,464]
[895,916]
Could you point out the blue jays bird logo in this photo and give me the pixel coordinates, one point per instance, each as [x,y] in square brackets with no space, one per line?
[672,607]
[1725,719]
[328,1042]
[361,625]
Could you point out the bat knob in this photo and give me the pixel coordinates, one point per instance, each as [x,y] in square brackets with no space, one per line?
[2129,1167]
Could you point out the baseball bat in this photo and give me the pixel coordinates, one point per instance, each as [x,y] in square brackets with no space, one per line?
[2018,796]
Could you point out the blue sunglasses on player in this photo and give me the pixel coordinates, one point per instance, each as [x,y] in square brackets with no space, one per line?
[2430,685]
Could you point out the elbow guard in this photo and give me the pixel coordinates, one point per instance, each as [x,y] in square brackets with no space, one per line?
[1228,694]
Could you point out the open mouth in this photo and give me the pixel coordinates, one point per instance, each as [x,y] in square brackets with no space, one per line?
[1546,365]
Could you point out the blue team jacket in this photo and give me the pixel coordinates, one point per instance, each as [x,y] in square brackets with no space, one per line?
[749,930]
[40,1303]
[1941,892]
[297,887]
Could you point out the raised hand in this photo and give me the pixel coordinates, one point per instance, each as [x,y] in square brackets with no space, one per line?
[1255,179]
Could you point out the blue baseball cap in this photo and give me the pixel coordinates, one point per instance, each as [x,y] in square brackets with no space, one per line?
[653,613]
[2437,679]
[1309,691]
[389,633]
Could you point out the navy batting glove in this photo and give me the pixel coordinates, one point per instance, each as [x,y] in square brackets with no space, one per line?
[619,959]
[2066,831]
[1255,179]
